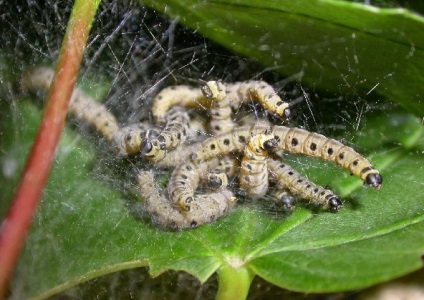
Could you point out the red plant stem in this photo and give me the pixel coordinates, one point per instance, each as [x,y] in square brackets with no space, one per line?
[14,227]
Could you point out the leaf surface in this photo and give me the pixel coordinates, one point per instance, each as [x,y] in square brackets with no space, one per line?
[340,47]
[86,226]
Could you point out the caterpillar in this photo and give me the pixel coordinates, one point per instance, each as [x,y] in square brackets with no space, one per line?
[81,106]
[174,134]
[205,208]
[181,95]
[236,94]
[220,110]
[129,139]
[288,179]
[185,180]
[239,92]
[228,165]
[253,178]
[293,140]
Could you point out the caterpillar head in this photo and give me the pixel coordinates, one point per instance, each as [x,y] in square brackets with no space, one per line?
[374,180]
[213,90]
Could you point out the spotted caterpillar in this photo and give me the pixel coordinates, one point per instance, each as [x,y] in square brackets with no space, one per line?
[129,139]
[203,209]
[293,140]
[81,106]
[174,134]
[185,180]
[240,92]
[180,95]
[288,179]
[220,110]
[253,176]
[289,183]
[236,94]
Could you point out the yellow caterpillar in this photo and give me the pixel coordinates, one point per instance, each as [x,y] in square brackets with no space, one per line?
[180,95]
[130,139]
[236,94]
[185,180]
[293,140]
[81,106]
[174,134]
[220,109]
[240,92]
[253,178]
[288,179]
[203,209]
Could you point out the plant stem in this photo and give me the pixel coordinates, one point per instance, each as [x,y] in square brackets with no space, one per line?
[18,218]
[233,283]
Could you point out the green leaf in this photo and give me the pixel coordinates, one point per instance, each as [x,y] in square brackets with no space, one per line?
[84,228]
[341,47]
[88,226]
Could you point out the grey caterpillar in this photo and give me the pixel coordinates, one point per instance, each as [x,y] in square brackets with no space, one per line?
[81,105]
[287,179]
[174,134]
[240,92]
[253,178]
[129,139]
[220,110]
[211,97]
[293,140]
[185,180]
[206,208]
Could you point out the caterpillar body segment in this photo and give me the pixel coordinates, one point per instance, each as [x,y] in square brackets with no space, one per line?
[220,109]
[225,143]
[206,208]
[93,113]
[253,177]
[296,140]
[288,179]
[238,93]
[177,95]
[185,180]
[174,134]
[228,165]
[81,106]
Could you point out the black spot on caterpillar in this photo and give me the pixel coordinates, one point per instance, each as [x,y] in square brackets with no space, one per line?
[293,140]
[174,134]
[81,106]
[220,110]
[288,179]
[227,165]
[253,177]
[205,208]
[185,180]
